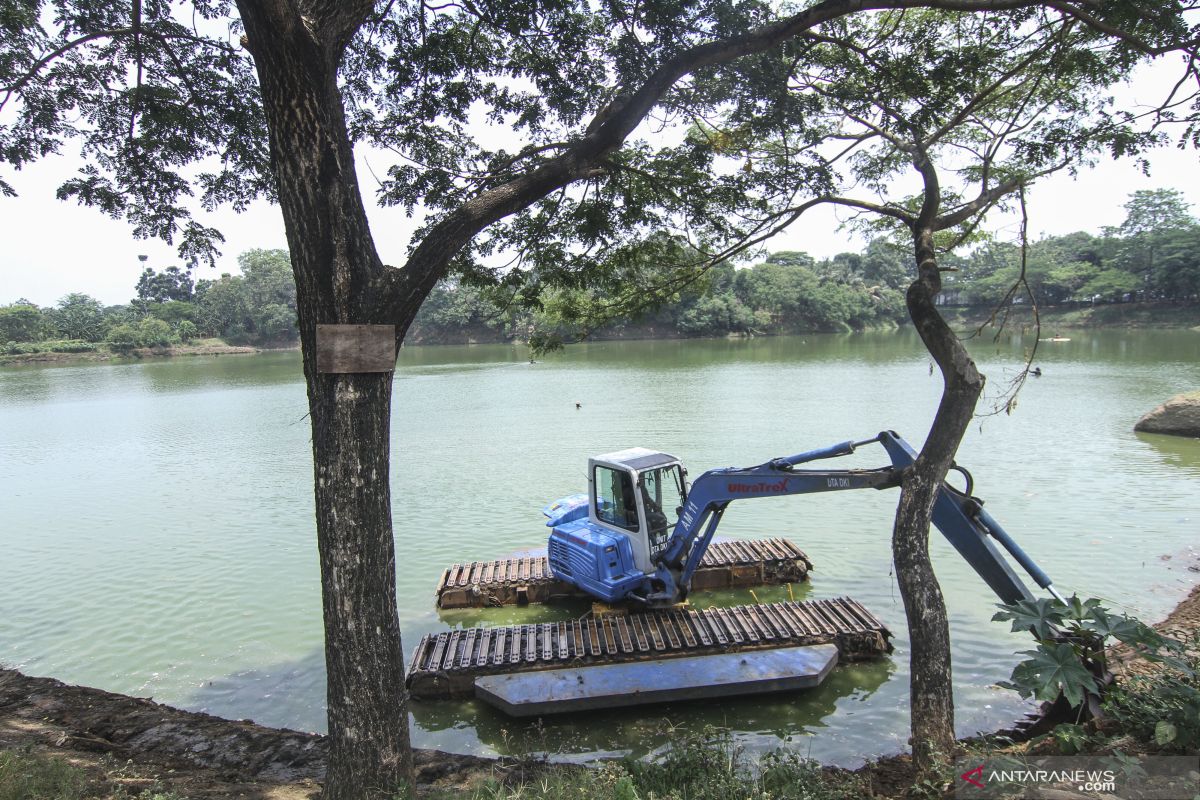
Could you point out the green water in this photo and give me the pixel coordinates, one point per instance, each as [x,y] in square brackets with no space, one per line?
[156,532]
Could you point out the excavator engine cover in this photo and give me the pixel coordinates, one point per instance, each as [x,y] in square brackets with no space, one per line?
[596,560]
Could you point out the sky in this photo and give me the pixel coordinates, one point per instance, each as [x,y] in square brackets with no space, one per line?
[51,248]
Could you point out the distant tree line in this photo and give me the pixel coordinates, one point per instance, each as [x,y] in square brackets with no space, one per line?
[257,307]
[788,293]
[1153,255]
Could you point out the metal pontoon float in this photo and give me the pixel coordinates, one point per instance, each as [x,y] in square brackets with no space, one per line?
[517,581]
[449,664]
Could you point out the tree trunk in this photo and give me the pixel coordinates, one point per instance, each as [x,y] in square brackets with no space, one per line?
[337,273]
[931,696]
[370,752]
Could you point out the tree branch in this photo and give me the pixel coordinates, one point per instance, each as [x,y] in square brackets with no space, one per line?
[613,123]
[20,83]
[984,199]
[108,33]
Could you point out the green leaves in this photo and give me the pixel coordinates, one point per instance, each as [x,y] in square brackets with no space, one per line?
[1164,732]
[1051,669]
[1072,639]
[153,109]
[1042,615]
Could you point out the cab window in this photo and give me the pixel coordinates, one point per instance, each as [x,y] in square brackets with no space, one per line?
[662,496]
[616,503]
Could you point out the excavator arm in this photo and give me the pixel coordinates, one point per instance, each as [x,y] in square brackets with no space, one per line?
[959,516]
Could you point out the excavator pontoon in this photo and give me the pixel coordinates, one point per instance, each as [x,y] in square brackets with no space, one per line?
[641,540]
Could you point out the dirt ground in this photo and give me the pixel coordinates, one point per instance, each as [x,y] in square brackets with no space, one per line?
[135,744]
[128,744]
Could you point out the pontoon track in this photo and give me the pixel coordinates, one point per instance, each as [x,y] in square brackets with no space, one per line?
[446,664]
[516,581]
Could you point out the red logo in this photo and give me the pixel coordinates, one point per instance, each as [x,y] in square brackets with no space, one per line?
[966,776]
[762,487]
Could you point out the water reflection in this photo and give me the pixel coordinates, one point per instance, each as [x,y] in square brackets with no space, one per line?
[24,385]
[291,694]
[763,722]
[858,348]
[1116,346]
[1178,452]
[229,371]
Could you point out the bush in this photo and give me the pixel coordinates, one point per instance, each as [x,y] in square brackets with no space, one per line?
[154,332]
[71,346]
[123,338]
[52,346]
[187,331]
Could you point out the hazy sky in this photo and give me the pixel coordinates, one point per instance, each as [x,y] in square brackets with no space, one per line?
[51,248]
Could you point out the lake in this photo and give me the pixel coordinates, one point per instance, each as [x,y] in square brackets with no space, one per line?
[157,536]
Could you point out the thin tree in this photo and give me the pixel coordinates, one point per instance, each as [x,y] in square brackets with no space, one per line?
[977,111]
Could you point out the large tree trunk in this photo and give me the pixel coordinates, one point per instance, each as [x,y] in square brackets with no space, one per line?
[337,277]
[370,753]
[931,696]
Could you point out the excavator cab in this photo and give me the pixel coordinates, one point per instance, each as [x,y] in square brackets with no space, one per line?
[638,493]
[606,541]
[663,491]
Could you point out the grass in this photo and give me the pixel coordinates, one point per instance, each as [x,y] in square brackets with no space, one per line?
[27,775]
[706,767]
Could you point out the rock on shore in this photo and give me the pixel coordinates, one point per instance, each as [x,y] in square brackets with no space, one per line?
[1179,416]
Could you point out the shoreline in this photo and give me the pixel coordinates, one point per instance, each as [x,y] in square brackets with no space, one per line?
[1124,316]
[99,356]
[196,754]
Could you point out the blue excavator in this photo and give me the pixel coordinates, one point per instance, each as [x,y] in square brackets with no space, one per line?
[620,543]
[635,540]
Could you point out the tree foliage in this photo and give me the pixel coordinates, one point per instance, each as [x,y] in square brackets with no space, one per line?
[256,307]
[161,287]
[21,322]
[79,316]
[1148,257]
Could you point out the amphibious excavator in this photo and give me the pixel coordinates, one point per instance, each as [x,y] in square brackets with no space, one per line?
[640,539]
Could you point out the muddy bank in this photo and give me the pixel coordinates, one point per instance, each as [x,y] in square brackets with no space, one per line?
[132,742]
